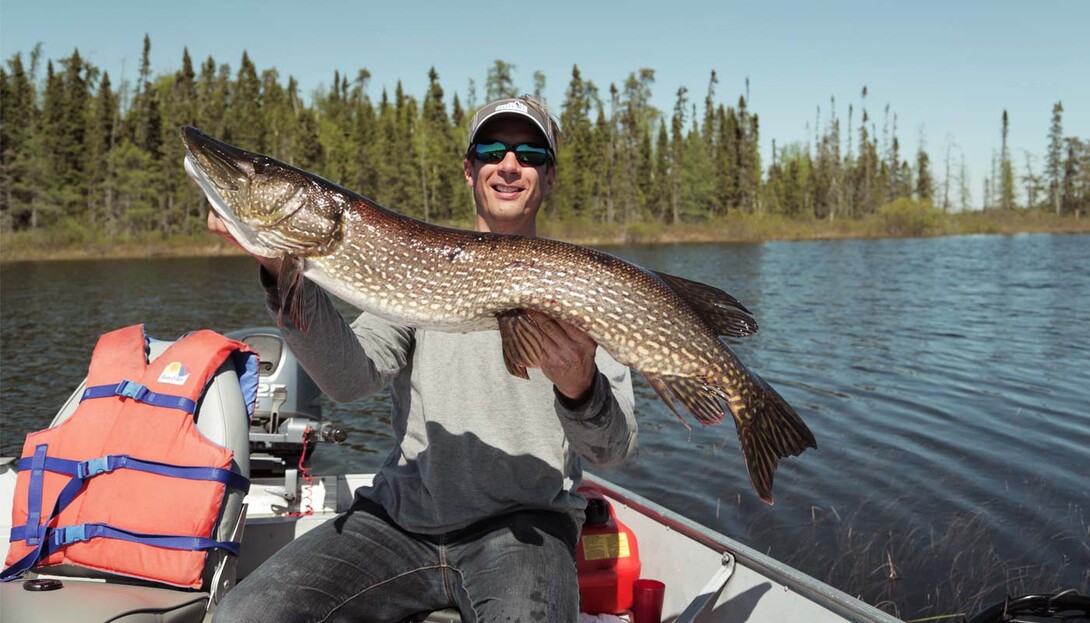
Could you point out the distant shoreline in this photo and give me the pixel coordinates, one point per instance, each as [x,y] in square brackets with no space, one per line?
[735,228]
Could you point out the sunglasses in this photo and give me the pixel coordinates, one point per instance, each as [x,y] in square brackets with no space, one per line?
[525,153]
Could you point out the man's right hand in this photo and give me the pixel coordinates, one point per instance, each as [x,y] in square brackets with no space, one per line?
[218,227]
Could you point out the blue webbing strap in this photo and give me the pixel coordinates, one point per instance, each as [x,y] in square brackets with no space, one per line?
[56,538]
[34,490]
[24,564]
[87,531]
[140,393]
[38,533]
[101,465]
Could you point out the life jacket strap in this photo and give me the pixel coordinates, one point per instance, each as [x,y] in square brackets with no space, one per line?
[105,464]
[52,539]
[139,393]
[34,491]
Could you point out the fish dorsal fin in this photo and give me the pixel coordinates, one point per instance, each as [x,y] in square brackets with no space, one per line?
[720,310]
[521,339]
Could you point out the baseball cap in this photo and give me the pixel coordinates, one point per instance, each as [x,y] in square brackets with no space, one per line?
[519,106]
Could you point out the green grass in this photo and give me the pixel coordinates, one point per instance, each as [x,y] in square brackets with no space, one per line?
[943,567]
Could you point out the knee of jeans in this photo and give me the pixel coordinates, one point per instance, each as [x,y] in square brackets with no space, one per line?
[237,606]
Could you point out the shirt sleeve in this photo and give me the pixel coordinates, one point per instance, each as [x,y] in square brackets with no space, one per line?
[346,361]
[602,428]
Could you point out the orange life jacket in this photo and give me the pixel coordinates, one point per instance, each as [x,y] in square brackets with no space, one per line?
[127,484]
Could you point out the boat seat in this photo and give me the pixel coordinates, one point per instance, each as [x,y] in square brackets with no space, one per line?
[92,596]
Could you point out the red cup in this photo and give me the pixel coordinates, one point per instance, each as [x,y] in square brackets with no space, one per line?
[647,601]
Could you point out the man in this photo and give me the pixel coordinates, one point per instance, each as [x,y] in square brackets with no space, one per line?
[475,506]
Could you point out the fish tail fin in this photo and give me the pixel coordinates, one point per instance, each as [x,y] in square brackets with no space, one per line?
[768,429]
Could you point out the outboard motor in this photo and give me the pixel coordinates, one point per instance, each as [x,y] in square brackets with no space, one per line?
[288,405]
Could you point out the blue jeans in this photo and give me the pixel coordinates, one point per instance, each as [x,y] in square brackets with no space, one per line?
[361,567]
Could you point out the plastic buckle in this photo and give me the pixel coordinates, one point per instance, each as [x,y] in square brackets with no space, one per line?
[94,467]
[66,535]
[129,389]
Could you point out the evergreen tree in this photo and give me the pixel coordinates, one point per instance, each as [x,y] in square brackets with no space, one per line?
[749,158]
[1054,170]
[100,141]
[539,86]
[659,199]
[601,206]
[146,123]
[184,207]
[48,207]
[439,161]
[361,135]
[828,186]
[726,159]
[1006,171]
[17,141]
[575,160]
[406,157]
[500,82]
[925,185]
[334,110]
[213,89]
[867,190]
[633,145]
[677,153]
[1075,187]
[697,174]
[246,120]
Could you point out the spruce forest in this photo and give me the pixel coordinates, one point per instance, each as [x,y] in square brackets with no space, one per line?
[80,154]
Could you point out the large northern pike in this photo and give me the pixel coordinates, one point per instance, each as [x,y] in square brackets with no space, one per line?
[445,279]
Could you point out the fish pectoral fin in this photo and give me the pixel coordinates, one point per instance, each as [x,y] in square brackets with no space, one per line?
[521,342]
[720,310]
[289,285]
[694,394]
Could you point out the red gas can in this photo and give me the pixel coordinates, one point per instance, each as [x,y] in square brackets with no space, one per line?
[607,558]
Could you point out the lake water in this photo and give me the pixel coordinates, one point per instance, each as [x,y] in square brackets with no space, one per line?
[947,381]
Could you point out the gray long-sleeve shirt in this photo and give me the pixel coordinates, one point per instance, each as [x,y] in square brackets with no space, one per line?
[471,440]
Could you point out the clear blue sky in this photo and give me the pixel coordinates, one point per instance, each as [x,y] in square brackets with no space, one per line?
[946,68]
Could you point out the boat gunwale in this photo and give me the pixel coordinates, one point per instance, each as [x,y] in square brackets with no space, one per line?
[824,595]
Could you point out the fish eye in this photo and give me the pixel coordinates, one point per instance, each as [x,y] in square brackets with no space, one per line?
[260,165]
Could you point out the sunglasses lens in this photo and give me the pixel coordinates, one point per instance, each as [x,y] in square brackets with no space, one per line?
[525,154]
[532,155]
[490,152]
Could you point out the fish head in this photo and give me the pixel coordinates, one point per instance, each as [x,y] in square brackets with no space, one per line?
[271,208]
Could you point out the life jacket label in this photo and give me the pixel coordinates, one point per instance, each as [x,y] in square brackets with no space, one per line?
[174,374]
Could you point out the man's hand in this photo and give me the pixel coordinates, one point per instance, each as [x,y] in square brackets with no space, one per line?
[567,357]
[217,226]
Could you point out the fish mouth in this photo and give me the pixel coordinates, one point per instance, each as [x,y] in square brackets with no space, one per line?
[227,167]
[217,168]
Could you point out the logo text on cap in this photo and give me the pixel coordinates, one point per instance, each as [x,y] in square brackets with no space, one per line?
[518,106]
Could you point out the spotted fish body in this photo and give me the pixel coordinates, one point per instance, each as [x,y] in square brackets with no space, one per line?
[445,279]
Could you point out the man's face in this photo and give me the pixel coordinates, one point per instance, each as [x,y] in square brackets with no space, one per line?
[508,194]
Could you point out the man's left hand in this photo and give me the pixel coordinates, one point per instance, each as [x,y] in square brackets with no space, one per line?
[567,357]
